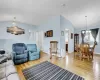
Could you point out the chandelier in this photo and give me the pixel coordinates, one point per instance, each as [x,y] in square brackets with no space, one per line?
[15,29]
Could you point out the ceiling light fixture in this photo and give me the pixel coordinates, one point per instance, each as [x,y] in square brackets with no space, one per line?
[63,5]
[15,29]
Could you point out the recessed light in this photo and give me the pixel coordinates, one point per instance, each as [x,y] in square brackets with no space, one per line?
[63,5]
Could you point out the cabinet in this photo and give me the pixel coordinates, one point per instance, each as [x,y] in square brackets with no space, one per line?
[76,41]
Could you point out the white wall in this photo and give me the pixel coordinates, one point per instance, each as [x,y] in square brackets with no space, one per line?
[7,39]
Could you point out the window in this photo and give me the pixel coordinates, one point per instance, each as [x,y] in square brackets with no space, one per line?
[89,38]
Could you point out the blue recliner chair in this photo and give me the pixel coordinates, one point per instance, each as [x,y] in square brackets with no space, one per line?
[20,54]
[33,52]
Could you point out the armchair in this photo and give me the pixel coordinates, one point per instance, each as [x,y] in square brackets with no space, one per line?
[20,54]
[33,52]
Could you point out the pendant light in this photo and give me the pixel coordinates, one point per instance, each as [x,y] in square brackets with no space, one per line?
[87,31]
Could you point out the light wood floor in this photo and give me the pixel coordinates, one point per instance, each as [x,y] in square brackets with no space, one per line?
[90,70]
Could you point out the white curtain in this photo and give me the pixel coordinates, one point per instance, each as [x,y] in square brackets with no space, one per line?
[37,37]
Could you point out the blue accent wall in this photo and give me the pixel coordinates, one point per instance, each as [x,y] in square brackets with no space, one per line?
[7,39]
[51,24]
[57,24]
[66,24]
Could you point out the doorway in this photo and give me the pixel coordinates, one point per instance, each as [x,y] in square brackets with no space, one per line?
[66,39]
[37,37]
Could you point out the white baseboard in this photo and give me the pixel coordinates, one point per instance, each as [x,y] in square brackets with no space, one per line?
[96,53]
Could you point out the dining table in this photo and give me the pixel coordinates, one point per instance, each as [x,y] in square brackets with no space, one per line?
[85,50]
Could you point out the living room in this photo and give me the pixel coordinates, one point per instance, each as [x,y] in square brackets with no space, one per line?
[33,38]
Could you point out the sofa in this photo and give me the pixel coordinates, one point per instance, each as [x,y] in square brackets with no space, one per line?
[8,71]
[20,54]
[33,51]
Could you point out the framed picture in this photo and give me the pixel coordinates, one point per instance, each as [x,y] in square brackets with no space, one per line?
[62,33]
[71,35]
[49,33]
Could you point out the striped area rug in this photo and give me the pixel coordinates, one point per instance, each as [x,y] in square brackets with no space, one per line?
[49,71]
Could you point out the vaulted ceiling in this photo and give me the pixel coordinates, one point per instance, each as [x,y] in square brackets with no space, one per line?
[37,12]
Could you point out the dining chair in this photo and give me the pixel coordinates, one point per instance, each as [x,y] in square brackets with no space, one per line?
[77,48]
[91,50]
[84,49]
[53,48]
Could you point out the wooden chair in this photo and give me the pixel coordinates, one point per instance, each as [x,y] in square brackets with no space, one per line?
[77,48]
[91,51]
[84,49]
[53,48]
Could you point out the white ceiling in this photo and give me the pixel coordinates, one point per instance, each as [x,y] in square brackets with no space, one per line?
[37,11]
